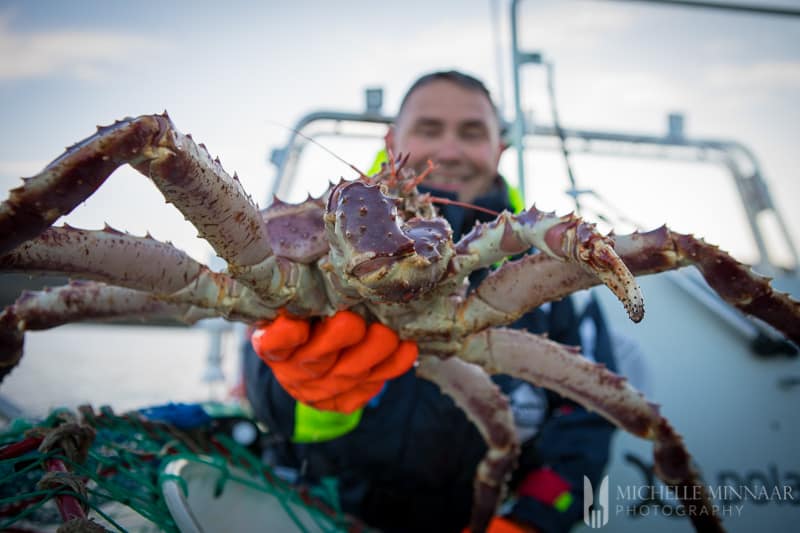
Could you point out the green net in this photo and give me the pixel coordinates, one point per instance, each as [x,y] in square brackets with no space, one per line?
[97,469]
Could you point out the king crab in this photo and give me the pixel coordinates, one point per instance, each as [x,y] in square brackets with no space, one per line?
[373,245]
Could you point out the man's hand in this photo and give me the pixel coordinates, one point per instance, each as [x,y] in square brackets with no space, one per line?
[337,363]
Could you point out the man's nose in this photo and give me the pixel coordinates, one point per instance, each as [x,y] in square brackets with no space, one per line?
[449,149]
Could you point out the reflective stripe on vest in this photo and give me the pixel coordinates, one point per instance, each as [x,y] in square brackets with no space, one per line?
[313,425]
[515,199]
[380,158]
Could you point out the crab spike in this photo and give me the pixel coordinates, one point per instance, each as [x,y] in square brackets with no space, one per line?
[404,160]
[108,229]
[392,168]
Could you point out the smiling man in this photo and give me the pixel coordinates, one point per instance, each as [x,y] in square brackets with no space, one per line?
[449,118]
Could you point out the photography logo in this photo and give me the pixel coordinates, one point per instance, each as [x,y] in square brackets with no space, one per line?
[595,512]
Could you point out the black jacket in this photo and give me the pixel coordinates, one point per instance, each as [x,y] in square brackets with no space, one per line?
[409,464]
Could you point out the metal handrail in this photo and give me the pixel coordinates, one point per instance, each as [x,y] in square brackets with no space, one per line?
[752,188]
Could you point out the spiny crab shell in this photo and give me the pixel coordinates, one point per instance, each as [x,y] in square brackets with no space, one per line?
[385,257]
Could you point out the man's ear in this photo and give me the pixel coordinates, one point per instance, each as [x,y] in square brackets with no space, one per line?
[501,149]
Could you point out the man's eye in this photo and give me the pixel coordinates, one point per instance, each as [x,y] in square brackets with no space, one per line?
[473,134]
[428,131]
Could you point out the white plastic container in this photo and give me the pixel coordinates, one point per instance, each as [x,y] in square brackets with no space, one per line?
[238,507]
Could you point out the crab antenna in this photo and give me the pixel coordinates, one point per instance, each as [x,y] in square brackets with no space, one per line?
[437,200]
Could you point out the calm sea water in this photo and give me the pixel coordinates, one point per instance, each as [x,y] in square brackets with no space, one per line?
[126,367]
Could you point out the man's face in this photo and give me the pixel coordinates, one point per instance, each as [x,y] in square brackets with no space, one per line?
[457,129]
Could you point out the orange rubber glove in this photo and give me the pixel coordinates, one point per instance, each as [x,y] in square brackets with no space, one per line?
[337,363]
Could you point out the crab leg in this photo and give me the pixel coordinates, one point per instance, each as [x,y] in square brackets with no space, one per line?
[139,263]
[81,301]
[565,238]
[475,393]
[524,284]
[565,371]
[184,172]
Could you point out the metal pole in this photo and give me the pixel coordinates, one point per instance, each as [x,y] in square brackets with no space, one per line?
[518,130]
[498,52]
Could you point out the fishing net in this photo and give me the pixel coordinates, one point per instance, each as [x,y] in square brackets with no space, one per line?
[99,471]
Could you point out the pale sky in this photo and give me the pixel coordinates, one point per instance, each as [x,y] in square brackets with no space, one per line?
[229,72]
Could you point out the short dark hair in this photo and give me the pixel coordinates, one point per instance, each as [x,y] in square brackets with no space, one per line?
[465,81]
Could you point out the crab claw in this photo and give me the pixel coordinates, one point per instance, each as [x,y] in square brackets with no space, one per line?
[565,238]
[580,242]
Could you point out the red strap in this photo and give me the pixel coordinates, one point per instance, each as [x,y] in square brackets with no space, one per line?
[544,485]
